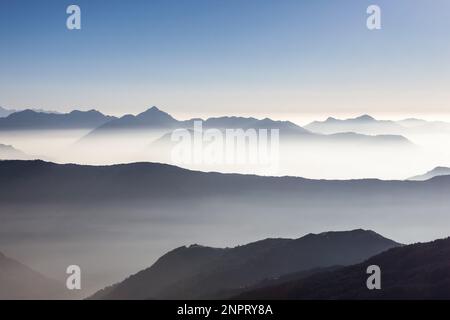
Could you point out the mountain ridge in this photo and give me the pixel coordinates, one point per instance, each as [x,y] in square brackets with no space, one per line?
[33,120]
[177,274]
[416,271]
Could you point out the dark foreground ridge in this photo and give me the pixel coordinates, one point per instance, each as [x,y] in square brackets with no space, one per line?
[418,271]
[198,272]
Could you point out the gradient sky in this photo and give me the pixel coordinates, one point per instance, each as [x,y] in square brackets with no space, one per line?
[288,59]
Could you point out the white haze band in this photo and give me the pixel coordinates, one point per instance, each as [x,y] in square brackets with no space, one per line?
[226,147]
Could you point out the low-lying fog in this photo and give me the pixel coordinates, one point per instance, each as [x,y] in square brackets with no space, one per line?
[110,243]
[327,160]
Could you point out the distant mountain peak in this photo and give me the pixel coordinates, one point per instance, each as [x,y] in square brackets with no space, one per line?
[154,112]
[350,233]
[365,117]
[195,245]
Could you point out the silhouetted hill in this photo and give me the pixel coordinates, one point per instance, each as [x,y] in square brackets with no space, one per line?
[203,272]
[436,172]
[73,183]
[19,282]
[418,271]
[33,120]
[364,124]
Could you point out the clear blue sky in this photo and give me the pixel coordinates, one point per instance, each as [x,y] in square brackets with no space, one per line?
[281,58]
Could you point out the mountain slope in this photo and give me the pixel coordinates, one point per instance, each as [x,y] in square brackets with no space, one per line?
[8,152]
[418,271]
[366,124]
[33,120]
[203,272]
[436,172]
[165,206]
[5,112]
[18,282]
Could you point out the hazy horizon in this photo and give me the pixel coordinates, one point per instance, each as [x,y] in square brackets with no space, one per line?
[291,61]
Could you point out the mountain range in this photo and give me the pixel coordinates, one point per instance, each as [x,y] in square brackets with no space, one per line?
[156,120]
[30,173]
[34,120]
[367,124]
[4,112]
[417,271]
[152,118]
[150,207]
[198,272]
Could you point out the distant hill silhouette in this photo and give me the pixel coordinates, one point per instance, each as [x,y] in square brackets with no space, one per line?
[33,120]
[418,271]
[364,124]
[436,172]
[155,119]
[72,183]
[19,282]
[204,272]
[367,124]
